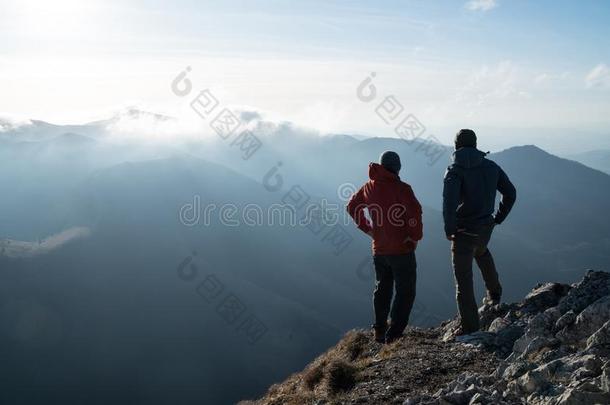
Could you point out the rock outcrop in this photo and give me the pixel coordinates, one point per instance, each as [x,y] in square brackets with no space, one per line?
[553,348]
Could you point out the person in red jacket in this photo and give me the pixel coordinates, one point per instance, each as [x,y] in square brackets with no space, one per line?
[395,223]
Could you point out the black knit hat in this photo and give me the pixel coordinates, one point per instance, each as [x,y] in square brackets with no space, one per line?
[390,160]
[464,138]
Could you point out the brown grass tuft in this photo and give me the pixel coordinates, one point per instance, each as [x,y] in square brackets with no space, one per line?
[355,344]
[313,375]
[340,375]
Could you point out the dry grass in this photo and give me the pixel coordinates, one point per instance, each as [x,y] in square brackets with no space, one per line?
[340,376]
[313,375]
[359,369]
[329,376]
[355,343]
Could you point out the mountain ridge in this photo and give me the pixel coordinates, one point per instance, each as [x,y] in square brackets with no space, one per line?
[551,348]
[598,159]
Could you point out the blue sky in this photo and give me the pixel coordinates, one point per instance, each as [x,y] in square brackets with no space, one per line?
[501,64]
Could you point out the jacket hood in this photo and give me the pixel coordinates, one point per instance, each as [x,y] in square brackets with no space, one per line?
[468,157]
[378,172]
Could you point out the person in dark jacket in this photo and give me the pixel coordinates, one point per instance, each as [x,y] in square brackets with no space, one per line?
[395,224]
[469,196]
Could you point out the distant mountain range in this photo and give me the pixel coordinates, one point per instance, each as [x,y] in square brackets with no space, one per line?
[115,304]
[597,159]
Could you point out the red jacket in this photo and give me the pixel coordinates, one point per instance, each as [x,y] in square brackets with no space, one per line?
[394,212]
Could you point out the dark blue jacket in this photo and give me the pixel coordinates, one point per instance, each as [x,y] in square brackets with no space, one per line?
[469,193]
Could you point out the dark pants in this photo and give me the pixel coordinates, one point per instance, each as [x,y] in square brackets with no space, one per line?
[394,271]
[464,248]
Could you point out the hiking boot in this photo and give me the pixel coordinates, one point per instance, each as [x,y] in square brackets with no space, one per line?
[491,300]
[461,332]
[393,334]
[392,338]
[379,332]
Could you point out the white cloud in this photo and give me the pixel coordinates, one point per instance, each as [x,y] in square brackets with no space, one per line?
[481,5]
[17,249]
[489,84]
[135,124]
[599,76]
[10,122]
[132,123]
[550,77]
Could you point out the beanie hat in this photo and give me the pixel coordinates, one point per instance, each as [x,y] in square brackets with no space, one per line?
[464,138]
[391,161]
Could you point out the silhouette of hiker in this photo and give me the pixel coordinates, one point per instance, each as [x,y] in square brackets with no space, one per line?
[395,225]
[469,196]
